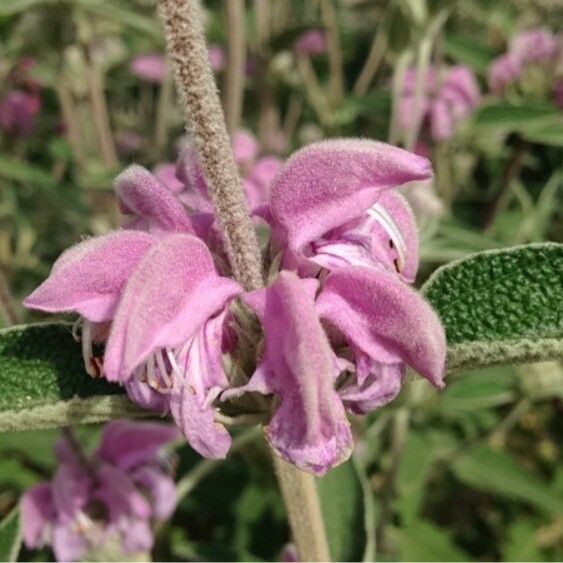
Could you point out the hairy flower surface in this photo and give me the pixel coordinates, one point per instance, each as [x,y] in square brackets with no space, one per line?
[332,205]
[109,500]
[333,332]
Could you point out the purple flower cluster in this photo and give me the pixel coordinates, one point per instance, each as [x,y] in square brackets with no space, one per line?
[449,96]
[339,322]
[20,106]
[533,47]
[112,498]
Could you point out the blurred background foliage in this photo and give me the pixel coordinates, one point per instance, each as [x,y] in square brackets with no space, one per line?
[472,473]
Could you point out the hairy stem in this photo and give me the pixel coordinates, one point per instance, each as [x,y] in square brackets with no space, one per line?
[304,510]
[234,83]
[194,79]
[195,83]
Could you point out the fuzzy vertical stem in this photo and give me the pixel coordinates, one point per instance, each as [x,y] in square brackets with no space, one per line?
[335,58]
[304,510]
[194,79]
[234,83]
[195,83]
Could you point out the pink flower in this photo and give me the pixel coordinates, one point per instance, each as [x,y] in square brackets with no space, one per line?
[18,111]
[339,328]
[446,100]
[167,359]
[504,71]
[535,45]
[332,205]
[312,42]
[529,47]
[385,323]
[151,67]
[118,493]
[217,58]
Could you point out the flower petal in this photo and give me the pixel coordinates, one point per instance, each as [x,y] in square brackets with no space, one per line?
[68,543]
[380,386]
[127,444]
[89,277]
[161,489]
[309,428]
[196,420]
[37,513]
[173,291]
[328,183]
[385,319]
[154,207]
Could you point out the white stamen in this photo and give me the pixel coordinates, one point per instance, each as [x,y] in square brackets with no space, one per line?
[162,369]
[173,362]
[379,213]
[87,354]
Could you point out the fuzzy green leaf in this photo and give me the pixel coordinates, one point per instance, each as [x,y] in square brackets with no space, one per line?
[501,306]
[43,383]
[10,536]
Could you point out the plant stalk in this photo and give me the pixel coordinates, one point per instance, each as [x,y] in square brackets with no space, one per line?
[234,83]
[204,116]
[194,80]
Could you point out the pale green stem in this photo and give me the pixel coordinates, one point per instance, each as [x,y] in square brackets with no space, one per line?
[335,57]
[373,62]
[422,65]
[165,101]
[236,57]
[401,67]
[8,309]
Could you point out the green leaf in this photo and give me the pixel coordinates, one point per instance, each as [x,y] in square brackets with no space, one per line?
[122,13]
[423,541]
[43,383]
[25,173]
[10,536]
[501,474]
[414,470]
[522,544]
[343,510]
[469,51]
[519,118]
[546,134]
[479,390]
[501,306]
[13,7]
